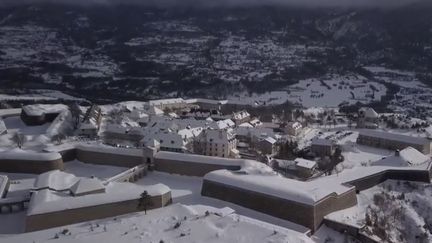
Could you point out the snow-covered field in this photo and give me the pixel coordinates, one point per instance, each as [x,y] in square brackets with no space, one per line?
[326,92]
[40,95]
[334,91]
[175,223]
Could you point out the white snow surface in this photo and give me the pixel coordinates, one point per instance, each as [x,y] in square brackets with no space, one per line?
[221,225]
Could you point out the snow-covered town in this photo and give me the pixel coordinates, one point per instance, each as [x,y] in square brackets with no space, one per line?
[194,170]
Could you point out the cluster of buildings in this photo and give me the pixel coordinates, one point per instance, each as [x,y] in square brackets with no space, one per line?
[194,126]
[171,136]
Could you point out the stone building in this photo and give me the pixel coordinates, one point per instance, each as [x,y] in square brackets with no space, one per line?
[305,168]
[268,146]
[241,117]
[61,198]
[392,141]
[323,147]
[367,118]
[293,128]
[39,114]
[217,142]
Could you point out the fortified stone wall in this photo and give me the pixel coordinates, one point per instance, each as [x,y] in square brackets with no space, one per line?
[189,168]
[30,166]
[375,179]
[104,158]
[72,216]
[298,213]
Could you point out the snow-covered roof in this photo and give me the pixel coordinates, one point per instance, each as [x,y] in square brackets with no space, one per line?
[153,110]
[222,124]
[295,125]
[10,112]
[270,140]
[41,109]
[170,140]
[207,101]
[275,185]
[56,180]
[407,157]
[368,112]
[119,129]
[45,201]
[166,101]
[217,135]
[152,143]
[246,124]
[255,122]
[137,114]
[87,185]
[189,133]
[283,163]
[394,137]
[305,163]
[256,131]
[240,115]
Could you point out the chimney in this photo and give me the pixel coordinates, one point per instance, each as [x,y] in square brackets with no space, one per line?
[397,153]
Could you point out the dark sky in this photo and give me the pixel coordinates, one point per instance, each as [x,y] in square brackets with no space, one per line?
[311,3]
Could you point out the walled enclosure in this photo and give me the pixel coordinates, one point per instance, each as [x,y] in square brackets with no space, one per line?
[71,216]
[310,216]
[188,168]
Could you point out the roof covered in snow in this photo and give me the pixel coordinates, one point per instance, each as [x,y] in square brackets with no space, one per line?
[153,110]
[206,101]
[87,185]
[54,199]
[240,115]
[305,163]
[368,112]
[41,109]
[55,180]
[406,157]
[166,101]
[270,140]
[275,185]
